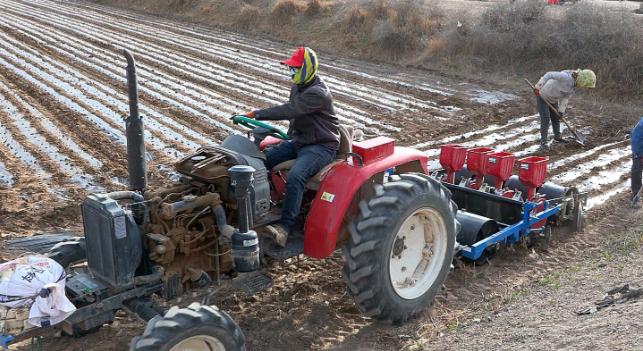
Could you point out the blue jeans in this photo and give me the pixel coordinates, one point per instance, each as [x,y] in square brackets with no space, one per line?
[309,159]
[545,115]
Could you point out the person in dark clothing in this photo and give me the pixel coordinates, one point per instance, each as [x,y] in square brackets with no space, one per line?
[637,157]
[314,134]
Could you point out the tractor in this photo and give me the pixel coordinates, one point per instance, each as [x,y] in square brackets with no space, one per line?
[395,223]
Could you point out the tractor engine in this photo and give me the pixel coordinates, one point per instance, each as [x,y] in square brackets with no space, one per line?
[179,234]
[187,231]
[184,236]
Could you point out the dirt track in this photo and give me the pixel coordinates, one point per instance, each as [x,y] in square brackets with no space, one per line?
[63,98]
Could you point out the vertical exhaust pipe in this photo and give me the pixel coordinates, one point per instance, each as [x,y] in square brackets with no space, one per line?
[136,164]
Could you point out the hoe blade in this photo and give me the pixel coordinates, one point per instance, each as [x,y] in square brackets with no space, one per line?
[579,138]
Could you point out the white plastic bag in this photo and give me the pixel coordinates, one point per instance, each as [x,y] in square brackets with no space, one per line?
[37,281]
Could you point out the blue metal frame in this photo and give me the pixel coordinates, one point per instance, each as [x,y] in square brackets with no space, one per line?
[512,233]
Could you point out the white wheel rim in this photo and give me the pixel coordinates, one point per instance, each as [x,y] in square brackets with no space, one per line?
[417,253]
[199,343]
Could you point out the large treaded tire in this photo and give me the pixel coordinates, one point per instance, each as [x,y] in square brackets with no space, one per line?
[372,234]
[178,324]
[68,252]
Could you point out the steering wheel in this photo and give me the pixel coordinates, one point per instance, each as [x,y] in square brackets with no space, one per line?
[253,123]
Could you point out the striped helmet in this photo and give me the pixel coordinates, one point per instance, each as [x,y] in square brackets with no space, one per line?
[305,64]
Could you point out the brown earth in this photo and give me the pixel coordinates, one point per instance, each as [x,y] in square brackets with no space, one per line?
[521,299]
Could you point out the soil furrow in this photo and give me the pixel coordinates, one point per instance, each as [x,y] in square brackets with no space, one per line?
[477,133]
[60,60]
[515,136]
[51,131]
[22,150]
[48,155]
[107,73]
[423,128]
[31,190]
[93,89]
[233,56]
[603,161]
[21,170]
[240,43]
[117,90]
[167,100]
[6,178]
[82,90]
[368,82]
[604,177]
[74,119]
[277,96]
[579,158]
[604,195]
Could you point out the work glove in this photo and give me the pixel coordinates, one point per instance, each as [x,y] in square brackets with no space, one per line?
[537,92]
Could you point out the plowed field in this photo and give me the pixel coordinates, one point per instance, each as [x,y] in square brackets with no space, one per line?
[63,98]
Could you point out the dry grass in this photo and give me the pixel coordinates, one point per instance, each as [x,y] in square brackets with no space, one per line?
[436,45]
[355,19]
[381,10]
[389,29]
[285,11]
[249,17]
[317,8]
[526,38]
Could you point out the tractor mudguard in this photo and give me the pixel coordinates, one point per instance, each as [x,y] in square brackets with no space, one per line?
[335,194]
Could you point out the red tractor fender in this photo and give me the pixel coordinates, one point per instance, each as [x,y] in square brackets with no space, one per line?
[336,191]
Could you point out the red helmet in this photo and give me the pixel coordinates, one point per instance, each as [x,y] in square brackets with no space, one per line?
[296,59]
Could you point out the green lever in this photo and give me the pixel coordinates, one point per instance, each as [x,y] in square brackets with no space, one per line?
[252,123]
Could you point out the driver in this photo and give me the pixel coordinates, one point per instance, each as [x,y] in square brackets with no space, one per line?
[313,131]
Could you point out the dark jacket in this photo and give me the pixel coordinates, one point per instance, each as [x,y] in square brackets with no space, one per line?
[637,139]
[311,114]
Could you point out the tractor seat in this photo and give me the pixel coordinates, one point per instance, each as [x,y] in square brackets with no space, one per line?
[345,147]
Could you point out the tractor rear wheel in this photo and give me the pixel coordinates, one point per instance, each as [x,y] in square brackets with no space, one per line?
[195,328]
[401,247]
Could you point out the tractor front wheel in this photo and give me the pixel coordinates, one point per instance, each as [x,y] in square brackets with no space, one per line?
[401,247]
[195,328]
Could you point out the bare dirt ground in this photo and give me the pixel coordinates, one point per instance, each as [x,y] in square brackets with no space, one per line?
[561,310]
[62,99]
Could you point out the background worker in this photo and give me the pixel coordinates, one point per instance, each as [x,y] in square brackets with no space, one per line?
[637,158]
[556,88]
[314,134]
